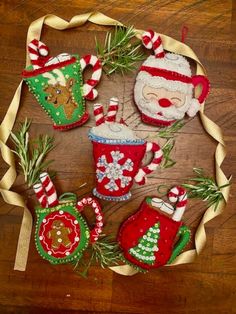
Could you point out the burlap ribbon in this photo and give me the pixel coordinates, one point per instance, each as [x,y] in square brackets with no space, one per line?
[8,179]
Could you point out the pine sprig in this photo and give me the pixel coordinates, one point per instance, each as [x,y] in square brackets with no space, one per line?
[105,252]
[205,188]
[167,161]
[32,154]
[170,132]
[120,52]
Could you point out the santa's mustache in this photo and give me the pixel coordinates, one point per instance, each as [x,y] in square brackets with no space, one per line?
[169,112]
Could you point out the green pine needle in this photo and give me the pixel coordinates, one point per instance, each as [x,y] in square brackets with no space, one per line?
[205,188]
[120,52]
[167,161]
[105,252]
[32,154]
[170,131]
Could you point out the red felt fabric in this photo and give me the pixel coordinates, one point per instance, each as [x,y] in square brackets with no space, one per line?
[153,121]
[133,229]
[134,152]
[72,232]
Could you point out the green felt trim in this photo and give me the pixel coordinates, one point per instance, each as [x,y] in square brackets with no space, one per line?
[84,233]
[38,83]
[184,234]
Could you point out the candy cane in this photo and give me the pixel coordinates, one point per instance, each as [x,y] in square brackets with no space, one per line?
[152,40]
[36,50]
[39,191]
[49,189]
[150,147]
[179,195]
[98,114]
[112,109]
[97,230]
[89,92]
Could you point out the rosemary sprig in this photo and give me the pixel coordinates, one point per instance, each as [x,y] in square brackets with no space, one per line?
[105,252]
[32,154]
[120,52]
[167,161]
[170,132]
[205,188]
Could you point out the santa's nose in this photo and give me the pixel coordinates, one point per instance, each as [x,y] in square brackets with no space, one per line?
[164,102]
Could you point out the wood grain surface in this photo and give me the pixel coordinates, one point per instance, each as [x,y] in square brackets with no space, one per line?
[206,286]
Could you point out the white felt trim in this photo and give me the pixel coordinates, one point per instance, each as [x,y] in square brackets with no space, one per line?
[160,82]
[193,108]
[171,62]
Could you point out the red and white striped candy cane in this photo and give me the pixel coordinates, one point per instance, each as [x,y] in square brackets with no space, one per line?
[98,114]
[36,50]
[40,194]
[152,40]
[178,195]
[140,177]
[97,230]
[89,92]
[49,189]
[112,109]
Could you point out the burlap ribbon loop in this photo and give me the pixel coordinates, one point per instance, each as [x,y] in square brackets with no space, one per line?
[7,124]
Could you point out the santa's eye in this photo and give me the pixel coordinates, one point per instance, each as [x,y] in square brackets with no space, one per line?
[176,99]
[58,91]
[152,94]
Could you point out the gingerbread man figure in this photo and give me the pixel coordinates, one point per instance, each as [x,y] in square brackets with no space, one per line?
[59,234]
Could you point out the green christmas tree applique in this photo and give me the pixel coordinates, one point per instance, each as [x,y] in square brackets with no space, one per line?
[147,246]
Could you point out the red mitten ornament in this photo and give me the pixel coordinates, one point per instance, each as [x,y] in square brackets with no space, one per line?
[165,86]
[118,155]
[61,233]
[57,84]
[148,237]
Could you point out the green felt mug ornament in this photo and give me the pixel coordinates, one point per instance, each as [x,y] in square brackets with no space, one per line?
[57,84]
[62,234]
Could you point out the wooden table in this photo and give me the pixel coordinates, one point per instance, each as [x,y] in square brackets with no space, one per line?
[207,285]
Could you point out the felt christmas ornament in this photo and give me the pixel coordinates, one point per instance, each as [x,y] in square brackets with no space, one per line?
[165,86]
[57,83]
[118,155]
[148,238]
[62,234]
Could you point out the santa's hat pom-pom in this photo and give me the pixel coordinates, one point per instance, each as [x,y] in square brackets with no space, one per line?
[194,107]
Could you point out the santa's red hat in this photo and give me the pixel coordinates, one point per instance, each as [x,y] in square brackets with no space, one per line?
[171,71]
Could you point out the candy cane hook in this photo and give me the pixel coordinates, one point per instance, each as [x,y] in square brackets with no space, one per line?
[140,177]
[178,195]
[89,92]
[37,50]
[152,40]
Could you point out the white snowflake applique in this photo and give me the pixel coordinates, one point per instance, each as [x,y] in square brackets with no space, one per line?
[114,170]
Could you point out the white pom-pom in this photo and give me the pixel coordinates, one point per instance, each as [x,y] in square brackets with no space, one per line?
[193,108]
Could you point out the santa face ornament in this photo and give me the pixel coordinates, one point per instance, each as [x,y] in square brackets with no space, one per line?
[165,86]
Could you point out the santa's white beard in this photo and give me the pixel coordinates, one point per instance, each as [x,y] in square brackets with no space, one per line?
[151,108]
